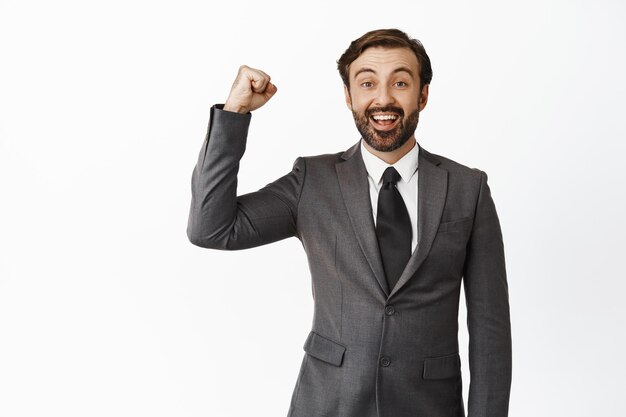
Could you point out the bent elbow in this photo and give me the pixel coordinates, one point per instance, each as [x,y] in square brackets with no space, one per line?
[205,241]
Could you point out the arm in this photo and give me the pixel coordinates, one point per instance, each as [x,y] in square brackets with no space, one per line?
[218,218]
[488,319]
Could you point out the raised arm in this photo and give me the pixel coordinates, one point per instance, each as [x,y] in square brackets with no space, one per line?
[488,318]
[220,219]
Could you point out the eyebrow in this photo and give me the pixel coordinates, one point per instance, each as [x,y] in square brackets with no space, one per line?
[399,69]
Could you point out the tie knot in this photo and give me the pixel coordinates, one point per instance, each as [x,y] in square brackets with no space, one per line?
[390,176]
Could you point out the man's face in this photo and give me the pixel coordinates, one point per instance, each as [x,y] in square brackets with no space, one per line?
[385,97]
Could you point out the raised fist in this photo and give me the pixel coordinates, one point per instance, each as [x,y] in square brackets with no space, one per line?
[252,89]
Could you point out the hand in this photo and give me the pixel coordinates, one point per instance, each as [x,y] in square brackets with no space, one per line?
[252,89]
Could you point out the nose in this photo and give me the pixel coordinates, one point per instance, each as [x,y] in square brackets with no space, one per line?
[384,96]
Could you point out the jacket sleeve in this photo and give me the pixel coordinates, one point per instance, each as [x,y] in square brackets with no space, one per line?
[488,318]
[218,218]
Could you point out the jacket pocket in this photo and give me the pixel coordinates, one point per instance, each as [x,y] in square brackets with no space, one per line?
[442,367]
[454,224]
[324,349]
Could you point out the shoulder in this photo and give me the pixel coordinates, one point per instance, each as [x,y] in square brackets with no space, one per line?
[455,168]
[463,180]
[322,161]
[325,158]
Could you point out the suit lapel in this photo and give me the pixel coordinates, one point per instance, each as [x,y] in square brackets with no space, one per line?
[431,197]
[354,186]
[432,190]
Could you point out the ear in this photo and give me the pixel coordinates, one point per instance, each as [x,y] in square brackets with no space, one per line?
[346,91]
[423,98]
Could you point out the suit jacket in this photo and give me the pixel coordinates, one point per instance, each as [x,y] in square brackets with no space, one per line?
[373,351]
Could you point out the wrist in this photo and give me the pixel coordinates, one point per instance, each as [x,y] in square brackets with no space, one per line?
[234,108]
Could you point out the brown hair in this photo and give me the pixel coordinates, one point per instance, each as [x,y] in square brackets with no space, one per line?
[389,38]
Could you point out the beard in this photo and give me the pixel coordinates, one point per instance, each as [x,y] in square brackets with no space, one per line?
[386,140]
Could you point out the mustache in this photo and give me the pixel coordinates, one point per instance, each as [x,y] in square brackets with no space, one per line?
[387,109]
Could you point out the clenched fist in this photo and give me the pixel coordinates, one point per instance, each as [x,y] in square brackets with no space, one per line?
[252,89]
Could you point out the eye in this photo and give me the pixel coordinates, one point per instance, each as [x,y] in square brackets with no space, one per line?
[367,84]
[401,84]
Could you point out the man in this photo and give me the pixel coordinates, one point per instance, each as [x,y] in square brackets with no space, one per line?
[390,231]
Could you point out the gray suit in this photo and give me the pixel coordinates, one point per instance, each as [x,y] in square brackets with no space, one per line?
[373,352]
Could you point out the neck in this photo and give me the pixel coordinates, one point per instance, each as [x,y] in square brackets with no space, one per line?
[393,156]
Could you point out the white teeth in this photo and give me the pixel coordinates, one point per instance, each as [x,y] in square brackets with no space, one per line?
[385,117]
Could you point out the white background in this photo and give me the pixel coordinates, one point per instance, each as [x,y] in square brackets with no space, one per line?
[107,309]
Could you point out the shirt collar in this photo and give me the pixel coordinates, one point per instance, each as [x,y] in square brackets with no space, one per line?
[406,166]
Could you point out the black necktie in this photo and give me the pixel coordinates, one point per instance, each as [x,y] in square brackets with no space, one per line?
[393,228]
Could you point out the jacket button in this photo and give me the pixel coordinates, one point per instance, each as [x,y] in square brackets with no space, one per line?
[390,311]
[384,361]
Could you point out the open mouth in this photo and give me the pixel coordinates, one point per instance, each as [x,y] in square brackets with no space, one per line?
[384,121]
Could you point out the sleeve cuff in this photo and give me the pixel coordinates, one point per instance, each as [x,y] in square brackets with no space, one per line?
[220,107]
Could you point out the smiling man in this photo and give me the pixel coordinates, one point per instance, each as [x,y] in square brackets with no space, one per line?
[391,232]
[385,94]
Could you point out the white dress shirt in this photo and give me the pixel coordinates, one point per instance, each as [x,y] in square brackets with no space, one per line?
[407,185]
